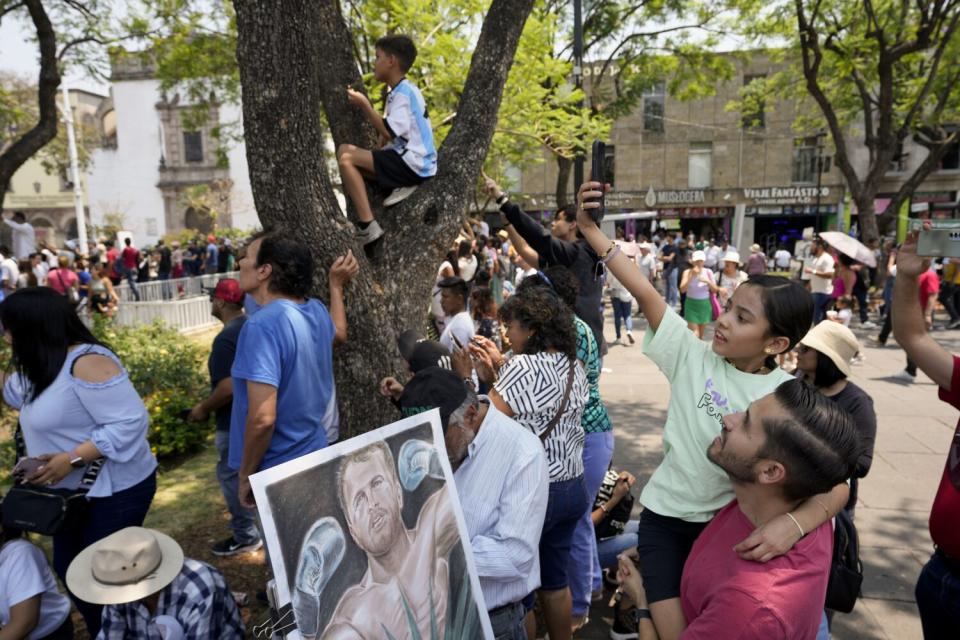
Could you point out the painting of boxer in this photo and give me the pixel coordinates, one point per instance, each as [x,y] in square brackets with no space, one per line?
[367,539]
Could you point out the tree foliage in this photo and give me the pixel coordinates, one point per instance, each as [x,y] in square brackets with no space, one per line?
[874,74]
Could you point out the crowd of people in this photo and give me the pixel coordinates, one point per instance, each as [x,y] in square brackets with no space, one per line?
[762,450]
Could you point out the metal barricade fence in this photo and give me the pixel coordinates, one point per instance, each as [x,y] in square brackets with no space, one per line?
[185,314]
[174,289]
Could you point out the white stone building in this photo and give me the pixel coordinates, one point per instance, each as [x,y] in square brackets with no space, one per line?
[141,178]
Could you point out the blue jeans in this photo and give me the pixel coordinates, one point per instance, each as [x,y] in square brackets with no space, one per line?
[888,294]
[673,290]
[938,598]
[566,503]
[131,274]
[609,548]
[823,632]
[621,312]
[583,570]
[820,302]
[243,521]
[106,515]
[507,622]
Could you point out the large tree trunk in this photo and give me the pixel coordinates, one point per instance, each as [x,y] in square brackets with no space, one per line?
[564,168]
[295,58]
[46,128]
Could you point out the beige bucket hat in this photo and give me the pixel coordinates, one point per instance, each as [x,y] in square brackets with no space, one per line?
[835,341]
[126,566]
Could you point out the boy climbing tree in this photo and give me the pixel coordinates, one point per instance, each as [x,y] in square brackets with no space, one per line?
[408,156]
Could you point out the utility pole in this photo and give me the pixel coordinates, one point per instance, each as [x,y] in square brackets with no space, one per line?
[578,82]
[820,136]
[75,173]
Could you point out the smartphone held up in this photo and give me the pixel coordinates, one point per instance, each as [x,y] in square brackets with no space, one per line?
[939,238]
[598,174]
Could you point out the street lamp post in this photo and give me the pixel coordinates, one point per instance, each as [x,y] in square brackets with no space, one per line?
[578,82]
[75,171]
[820,136]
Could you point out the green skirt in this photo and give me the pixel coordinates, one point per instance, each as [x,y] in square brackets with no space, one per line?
[698,311]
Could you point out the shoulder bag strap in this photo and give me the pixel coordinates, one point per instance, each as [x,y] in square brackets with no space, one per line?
[563,403]
[21,447]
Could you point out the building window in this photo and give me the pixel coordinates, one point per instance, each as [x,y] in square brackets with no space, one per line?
[653,108]
[192,146]
[951,161]
[699,164]
[805,160]
[753,101]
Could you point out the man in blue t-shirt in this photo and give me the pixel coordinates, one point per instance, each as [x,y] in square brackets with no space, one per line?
[211,256]
[284,398]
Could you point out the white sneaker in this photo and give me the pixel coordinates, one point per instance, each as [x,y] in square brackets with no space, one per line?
[370,234]
[903,376]
[399,195]
[868,325]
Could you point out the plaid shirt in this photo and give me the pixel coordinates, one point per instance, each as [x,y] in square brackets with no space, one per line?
[199,600]
[595,418]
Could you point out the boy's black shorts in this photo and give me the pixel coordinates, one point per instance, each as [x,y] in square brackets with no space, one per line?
[392,172]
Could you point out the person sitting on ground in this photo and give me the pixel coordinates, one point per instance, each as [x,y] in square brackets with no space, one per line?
[788,447]
[284,396]
[938,586]
[500,473]
[825,356]
[459,325]
[150,590]
[31,606]
[408,156]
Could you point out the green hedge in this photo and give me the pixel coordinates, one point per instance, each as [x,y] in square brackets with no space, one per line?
[167,369]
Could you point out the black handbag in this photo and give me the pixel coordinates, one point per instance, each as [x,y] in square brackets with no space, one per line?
[40,509]
[616,520]
[846,570]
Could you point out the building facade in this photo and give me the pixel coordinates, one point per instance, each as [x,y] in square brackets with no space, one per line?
[154,174]
[46,197]
[699,166]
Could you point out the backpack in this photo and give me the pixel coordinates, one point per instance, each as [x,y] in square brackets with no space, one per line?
[846,570]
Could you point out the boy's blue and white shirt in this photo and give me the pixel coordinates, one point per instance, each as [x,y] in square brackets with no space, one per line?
[406,118]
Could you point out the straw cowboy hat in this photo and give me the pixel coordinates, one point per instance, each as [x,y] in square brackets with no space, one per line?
[126,566]
[835,341]
[755,248]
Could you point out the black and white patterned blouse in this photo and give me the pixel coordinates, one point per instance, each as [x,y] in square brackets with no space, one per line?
[533,386]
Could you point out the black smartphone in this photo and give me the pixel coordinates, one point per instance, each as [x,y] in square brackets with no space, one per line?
[598,174]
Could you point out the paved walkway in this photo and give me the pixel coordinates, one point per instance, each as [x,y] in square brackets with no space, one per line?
[914,431]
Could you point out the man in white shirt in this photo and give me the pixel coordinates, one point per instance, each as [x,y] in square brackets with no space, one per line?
[712,255]
[821,272]
[647,262]
[24,236]
[500,471]
[453,301]
[9,272]
[782,258]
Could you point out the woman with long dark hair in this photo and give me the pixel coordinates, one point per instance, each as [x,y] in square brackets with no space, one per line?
[77,405]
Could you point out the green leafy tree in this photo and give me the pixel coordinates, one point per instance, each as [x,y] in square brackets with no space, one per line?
[874,75]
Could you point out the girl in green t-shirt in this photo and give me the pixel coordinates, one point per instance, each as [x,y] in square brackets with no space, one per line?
[766,316]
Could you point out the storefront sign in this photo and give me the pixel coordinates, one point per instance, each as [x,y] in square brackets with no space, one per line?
[785,195]
[669,197]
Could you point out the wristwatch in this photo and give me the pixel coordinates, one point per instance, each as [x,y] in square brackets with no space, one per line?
[77,462]
[638,614]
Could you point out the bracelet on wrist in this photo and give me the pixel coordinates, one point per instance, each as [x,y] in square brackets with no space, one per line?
[790,515]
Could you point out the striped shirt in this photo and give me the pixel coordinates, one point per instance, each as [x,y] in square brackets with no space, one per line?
[533,387]
[503,486]
[197,598]
[595,418]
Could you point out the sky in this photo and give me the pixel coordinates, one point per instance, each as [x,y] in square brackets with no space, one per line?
[20,56]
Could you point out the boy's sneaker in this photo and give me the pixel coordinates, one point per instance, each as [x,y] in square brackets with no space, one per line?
[371,234]
[230,547]
[868,325]
[399,195]
[623,627]
[630,337]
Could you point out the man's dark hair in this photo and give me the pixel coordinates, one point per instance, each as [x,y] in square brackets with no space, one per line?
[127,241]
[292,264]
[19,216]
[108,244]
[557,278]
[401,47]
[817,443]
[567,212]
[5,250]
[460,288]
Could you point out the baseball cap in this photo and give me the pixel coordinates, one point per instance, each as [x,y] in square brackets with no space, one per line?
[431,388]
[421,353]
[228,290]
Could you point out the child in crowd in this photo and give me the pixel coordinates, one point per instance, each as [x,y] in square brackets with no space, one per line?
[483,309]
[31,606]
[408,156]
[765,316]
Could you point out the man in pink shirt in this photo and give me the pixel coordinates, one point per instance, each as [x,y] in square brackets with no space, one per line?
[788,446]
